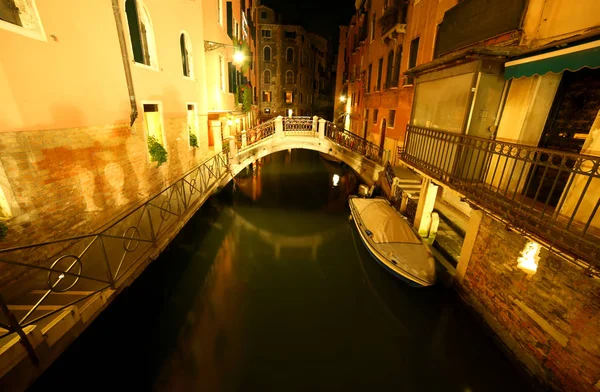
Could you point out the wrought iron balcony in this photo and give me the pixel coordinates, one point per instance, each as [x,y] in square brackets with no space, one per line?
[393,20]
[548,194]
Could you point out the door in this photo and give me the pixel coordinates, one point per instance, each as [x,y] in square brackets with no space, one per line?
[382,140]
[570,120]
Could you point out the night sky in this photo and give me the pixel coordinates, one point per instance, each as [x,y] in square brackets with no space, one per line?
[317,16]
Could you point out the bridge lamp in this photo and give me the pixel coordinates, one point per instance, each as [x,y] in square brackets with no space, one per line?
[336,180]
[530,256]
[238,57]
[342,98]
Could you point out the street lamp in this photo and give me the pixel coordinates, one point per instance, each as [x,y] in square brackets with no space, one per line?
[342,98]
[239,57]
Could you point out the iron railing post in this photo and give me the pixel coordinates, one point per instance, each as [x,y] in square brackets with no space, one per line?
[16,327]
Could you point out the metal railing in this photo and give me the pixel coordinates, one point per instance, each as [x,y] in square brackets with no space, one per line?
[299,126]
[549,194]
[306,126]
[256,134]
[396,14]
[49,277]
[356,143]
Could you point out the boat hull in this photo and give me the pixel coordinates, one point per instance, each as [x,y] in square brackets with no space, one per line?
[385,262]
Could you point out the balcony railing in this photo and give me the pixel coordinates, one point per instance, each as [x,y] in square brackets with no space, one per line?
[393,16]
[551,195]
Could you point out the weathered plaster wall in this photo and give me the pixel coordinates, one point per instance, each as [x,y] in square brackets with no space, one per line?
[548,321]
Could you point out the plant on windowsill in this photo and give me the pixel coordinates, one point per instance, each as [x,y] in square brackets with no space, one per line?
[193,140]
[3,230]
[246,97]
[157,152]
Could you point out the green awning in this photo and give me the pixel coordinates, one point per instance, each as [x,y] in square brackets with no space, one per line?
[572,59]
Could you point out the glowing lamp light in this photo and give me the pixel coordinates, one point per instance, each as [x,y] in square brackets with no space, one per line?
[239,57]
[343,98]
[530,256]
[290,111]
[336,180]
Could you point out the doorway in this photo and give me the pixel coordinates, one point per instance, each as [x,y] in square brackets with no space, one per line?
[570,120]
[383,129]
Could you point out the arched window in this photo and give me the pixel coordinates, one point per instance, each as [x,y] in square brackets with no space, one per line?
[267,53]
[389,70]
[141,33]
[267,77]
[186,55]
[289,77]
[289,55]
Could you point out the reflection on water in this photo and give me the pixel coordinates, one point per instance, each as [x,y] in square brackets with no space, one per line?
[269,288]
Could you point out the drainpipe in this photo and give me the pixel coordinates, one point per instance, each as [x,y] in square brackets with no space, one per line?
[126,64]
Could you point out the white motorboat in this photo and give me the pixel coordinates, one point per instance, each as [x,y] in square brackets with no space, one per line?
[392,241]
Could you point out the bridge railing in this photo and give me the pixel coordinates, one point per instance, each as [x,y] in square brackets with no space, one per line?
[356,143]
[311,127]
[47,278]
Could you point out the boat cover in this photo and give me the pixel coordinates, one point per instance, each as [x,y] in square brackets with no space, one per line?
[386,224]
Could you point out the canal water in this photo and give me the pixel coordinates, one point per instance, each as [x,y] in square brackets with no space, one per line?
[268,288]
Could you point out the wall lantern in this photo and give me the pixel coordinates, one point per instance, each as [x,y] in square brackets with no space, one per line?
[336,180]
[530,257]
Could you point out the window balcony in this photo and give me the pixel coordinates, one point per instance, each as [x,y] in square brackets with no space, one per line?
[546,194]
[393,20]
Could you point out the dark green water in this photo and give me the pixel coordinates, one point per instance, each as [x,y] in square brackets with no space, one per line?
[268,288]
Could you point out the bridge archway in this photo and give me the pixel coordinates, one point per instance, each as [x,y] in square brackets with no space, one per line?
[319,135]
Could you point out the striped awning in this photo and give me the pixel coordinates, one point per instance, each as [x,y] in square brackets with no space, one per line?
[573,58]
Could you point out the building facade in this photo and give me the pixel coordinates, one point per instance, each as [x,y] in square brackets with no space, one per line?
[79,132]
[376,96]
[288,66]
[501,115]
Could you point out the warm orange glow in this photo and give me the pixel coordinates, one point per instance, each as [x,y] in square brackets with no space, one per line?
[530,257]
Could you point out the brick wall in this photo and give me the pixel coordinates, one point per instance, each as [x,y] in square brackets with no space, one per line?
[549,321]
[71,181]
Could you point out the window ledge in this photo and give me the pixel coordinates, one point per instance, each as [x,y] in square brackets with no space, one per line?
[191,78]
[145,66]
[30,33]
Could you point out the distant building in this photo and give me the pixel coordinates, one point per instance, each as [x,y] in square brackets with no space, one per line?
[289,67]
[377,100]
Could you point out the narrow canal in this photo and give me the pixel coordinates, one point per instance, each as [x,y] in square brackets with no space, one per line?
[268,288]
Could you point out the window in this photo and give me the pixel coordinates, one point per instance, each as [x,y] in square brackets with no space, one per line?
[392,119]
[396,71]
[301,97]
[153,120]
[412,57]
[229,5]
[220,12]
[263,15]
[141,33]
[232,73]
[222,72]
[289,77]
[192,120]
[289,97]
[267,53]
[289,55]
[267,77]
[369,73]
[375,114]
[389,69]
[290,35]
[21,17]
[379,71]
[266,33]
[266,96]
[373,25]
[366,123]
[186,55]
